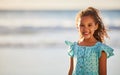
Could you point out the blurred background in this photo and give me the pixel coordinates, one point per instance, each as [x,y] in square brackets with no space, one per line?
[32,34]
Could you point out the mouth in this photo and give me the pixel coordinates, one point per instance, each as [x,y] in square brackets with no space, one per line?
[85,33]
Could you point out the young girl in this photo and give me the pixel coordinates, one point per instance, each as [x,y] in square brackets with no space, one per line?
[88,56]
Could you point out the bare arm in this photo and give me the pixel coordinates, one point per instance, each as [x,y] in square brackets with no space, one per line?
[103,64]
[71,66]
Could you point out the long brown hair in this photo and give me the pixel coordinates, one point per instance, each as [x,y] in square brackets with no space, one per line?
[100,33]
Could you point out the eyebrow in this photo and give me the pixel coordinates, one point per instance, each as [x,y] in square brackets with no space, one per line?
[83,24]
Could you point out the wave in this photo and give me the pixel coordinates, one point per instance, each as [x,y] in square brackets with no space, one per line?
[33,30]
[31,45]
[47,44]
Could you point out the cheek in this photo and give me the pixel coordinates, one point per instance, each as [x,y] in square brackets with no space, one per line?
[93,30]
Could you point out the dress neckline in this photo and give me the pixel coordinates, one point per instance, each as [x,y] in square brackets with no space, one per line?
[88,46]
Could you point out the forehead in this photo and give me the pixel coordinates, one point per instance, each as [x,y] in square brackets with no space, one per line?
[86,19]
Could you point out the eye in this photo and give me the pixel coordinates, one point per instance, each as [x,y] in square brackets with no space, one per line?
[90,25]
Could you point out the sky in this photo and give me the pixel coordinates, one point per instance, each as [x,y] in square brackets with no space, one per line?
[57,4]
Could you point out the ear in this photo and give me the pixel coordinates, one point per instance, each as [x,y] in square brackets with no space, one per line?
[96,26]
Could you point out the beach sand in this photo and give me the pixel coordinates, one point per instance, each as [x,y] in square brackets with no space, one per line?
[113,63]
[43,62]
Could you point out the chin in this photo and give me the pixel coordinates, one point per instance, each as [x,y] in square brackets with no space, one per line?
[86,37]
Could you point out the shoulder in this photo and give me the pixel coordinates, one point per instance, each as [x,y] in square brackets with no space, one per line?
[104,46]
[71,48]
[107,49]
[69,43]
[72,45]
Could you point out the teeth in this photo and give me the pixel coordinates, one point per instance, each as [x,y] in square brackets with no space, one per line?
[85,33]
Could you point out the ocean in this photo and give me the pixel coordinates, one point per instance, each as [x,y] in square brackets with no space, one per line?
[32,42]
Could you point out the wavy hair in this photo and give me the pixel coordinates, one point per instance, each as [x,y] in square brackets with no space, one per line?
[100,33]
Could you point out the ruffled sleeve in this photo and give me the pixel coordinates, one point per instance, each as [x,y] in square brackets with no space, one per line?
[108,50]
[71,48]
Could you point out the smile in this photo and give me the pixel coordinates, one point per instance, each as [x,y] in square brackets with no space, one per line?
[85,33]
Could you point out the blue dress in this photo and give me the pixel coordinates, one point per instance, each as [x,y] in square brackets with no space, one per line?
[86,58]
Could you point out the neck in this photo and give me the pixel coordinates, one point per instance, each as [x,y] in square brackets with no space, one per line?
[90,40]
[87,42]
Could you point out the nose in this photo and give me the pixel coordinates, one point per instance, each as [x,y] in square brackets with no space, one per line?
[85,28]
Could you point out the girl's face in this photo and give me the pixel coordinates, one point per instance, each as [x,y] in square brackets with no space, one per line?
[86,27]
